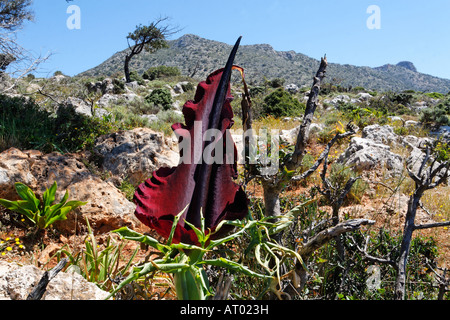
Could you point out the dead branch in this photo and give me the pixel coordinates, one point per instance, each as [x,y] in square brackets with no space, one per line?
[369,257]
[299,274]
[443,283]
[325,236]
[311,105]
[41,287]
[324,155]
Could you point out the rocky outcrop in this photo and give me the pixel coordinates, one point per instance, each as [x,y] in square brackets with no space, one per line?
[135,154]
[380,134]
[366,154]
[290,135]
[80,107]
[105,86]
[107,208]
[15,166]
[16,283]
[291,88]
[373,150]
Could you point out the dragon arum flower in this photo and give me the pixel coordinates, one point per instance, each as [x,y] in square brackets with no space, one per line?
[197,188]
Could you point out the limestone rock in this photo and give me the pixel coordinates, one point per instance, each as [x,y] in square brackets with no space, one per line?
[290,135]
[411,123]
[16,283]
[178,88]
[415,159]
[365,154]
[134,154]
[105,86]
[342,98]
[380,134]
[107,208]
[291,88]
[132,85]
[364,96]
[107,99]
[78,105]
[14,167]
[417,142]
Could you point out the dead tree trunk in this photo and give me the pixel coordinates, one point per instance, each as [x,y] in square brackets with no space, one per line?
[424,180]
[273,185]
[41,287]
[319,241]
[311,105]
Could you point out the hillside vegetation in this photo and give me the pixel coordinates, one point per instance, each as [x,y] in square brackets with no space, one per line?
[73,115]
[196,56]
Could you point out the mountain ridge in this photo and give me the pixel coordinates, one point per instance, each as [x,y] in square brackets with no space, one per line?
[198,57]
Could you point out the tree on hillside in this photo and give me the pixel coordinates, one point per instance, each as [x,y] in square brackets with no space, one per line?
[13,13]
[149,38]
[12,16]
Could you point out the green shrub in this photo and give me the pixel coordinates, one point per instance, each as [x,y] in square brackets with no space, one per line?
[134,76]
[442,151]
[281,104]
[160,97]
[339,175]
[161,71]
[74,132]
[118,86]
[255,91]
[358,89]
[401,98]
[401,131]
[24,125]
[437,115]
[189,86]
[435,95]
[276,83]
[353,282]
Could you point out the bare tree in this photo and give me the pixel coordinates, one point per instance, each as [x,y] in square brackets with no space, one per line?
[273,185]
[430,174]
[18,60]
[149,38]
[428,177]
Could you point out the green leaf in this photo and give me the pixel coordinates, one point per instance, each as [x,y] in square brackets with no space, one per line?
[13,206]
[174,226]
[66,196]
[265,265]
[218,242]
[58,215]
[160,265]
[234,266]
[28,195]
[200,234]
[129,234]
[191,284]
[185,246]
[49,195]
[75,204]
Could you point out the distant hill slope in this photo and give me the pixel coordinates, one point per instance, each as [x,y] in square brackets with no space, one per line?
[197,56]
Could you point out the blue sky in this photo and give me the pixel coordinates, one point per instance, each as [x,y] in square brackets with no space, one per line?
[416,31]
